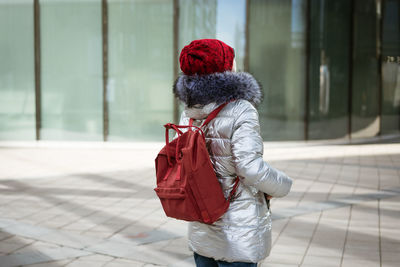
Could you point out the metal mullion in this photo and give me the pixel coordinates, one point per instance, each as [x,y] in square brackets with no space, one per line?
[398,50]
[350,60]
[247,38]
[36,25]
[379,56]
[104,19]
[175,47]
[307,80]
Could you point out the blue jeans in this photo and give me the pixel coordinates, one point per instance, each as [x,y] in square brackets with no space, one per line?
[202,261]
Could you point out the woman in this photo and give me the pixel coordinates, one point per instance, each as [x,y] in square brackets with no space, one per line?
[242,237]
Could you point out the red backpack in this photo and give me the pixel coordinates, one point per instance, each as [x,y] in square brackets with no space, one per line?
[186,182]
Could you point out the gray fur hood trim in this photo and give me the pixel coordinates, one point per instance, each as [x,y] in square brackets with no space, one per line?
[217,88]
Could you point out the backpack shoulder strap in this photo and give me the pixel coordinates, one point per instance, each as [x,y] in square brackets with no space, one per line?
[213,114]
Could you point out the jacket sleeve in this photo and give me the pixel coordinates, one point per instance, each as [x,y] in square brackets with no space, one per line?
[247,151]
[181,122]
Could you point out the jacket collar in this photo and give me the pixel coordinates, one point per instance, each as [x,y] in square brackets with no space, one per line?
[218,88]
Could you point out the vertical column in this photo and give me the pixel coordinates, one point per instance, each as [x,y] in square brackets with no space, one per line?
[379,35]
[364,69]
[389,65]
[350,60]
[307,72]
[36,23]
[175,55]
[329,70]
[246,48]
[104,19]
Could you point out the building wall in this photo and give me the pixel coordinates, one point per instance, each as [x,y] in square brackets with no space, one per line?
[17,80]
[277,58]
[329,68]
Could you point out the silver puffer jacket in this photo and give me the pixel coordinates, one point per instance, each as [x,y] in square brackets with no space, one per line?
[236,149]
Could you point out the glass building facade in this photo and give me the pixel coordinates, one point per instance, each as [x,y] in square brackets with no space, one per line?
[103,69]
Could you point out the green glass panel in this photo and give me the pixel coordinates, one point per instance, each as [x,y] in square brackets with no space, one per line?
[198,20]
[71,70]
[390,67]
[140,62]
[329,70]
[277,58]
[365,80]
[231,23]
[221,19]
[17,80]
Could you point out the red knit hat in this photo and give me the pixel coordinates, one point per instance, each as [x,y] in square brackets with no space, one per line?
[206,56]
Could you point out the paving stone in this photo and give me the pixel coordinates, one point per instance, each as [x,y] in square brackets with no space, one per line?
[50,235]
[187,262]
[391,246]
[363,253]
[45,255]
[53,223]
[124,263]
[124,250]
[277,265]
[78,226]
[97,257]
[390,264]
[5,223]
[108,209]
[331,204]
[43,216]
[175,227]
[4,235]
[325,261]
[284,258]
[179,244]
[318,250]
[80,263]
[366,245]
[97,234]
[354,262]
[279,249]
[50,264]
[14,243]
[37,246]
[145,237]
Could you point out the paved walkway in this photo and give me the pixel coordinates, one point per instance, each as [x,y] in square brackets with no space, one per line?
[93,205]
